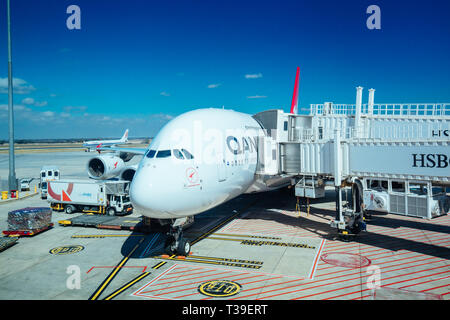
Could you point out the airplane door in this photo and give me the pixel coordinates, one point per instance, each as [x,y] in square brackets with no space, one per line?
[221,168]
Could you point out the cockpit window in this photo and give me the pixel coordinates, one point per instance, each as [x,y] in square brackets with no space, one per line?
[151,153]
[177,153]
[187,154]
[163,154]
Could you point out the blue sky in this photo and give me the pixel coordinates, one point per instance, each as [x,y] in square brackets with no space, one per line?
[136,64]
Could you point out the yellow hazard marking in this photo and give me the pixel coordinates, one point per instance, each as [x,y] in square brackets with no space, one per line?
[274,243]
[225,259]
[206,261]
[214,229]
[127,285]
[159,265]
[66,250]
[246,236]
[106,235]
[219,288]
[114,272]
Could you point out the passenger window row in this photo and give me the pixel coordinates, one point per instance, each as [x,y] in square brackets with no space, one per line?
[183,154]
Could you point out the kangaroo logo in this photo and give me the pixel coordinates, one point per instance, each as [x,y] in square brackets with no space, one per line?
[64,193]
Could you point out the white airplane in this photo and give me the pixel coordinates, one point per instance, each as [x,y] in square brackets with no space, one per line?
[196,162]
[95,145]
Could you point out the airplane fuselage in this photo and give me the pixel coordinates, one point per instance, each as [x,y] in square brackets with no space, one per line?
[197,161]
[93,145]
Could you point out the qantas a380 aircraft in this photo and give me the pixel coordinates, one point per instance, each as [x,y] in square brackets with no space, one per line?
[196,162]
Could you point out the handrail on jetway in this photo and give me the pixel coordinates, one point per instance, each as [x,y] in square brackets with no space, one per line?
[383,109]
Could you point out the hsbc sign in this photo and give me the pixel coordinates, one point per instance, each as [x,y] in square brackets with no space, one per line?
[430,160]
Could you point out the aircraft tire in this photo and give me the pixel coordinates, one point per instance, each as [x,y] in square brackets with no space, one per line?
[184,247]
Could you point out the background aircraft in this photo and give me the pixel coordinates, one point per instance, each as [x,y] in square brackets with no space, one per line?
[94,145]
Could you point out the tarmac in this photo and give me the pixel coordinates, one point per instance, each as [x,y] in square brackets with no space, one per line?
[254,247]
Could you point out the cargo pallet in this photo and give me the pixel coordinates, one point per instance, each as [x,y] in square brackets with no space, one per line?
[7,242]
[106,222]
[30,232]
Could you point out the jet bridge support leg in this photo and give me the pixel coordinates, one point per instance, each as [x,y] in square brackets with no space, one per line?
[348,222]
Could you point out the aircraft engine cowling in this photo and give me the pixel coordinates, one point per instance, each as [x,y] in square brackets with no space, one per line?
[126,156]
[105,167]
[128,173]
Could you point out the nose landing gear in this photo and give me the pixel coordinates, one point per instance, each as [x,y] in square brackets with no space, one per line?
[176,243]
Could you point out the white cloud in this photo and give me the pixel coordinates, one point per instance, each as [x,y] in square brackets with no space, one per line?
[162,116]
[75,109]
[253,76]
[48,113]
[165,94]
[16,107]
[20,86]
[256,97]
[73,124]
[213,85]
[31,101]
[28,101]
[40,103]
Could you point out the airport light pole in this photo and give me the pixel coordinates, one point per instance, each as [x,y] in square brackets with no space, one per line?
[12,181]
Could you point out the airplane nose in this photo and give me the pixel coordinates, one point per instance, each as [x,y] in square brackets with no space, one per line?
[143,195]
[153,191]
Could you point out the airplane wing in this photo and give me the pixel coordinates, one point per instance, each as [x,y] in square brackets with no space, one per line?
[127,150]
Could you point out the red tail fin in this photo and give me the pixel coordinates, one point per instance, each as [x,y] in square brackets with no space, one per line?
[294,104]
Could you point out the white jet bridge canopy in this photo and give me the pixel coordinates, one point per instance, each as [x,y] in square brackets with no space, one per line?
[404,143]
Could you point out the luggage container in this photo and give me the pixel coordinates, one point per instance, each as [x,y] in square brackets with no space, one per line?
[29,221]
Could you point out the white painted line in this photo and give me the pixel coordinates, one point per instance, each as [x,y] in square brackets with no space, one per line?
[316,260]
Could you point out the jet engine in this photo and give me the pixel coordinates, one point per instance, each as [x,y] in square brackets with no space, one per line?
[126,156]
[128,173]
[105,167]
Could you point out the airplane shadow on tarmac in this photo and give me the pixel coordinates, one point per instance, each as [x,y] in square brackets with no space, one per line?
[321,227]
[263,209]
[155,239]
[152,244]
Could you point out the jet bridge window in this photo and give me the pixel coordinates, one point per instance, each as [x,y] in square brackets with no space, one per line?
[378,185]
[398,186]
[150,153]
[418,188]
[164,154]
[177,153]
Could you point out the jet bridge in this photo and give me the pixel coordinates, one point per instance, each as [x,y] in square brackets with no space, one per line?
[395,157]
